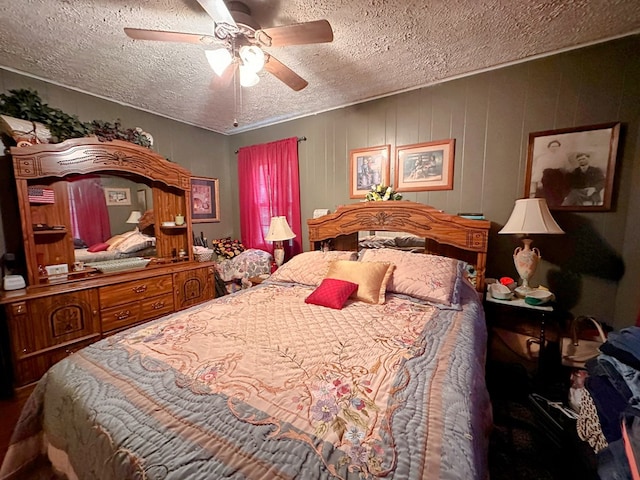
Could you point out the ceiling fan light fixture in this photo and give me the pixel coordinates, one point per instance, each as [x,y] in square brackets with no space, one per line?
[219,60]
[248,77]
[252,57]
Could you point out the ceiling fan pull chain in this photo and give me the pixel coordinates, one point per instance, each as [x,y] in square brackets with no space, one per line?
[236,91]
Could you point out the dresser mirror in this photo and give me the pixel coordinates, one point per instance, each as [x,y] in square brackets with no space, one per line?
[79,198]
[102,206]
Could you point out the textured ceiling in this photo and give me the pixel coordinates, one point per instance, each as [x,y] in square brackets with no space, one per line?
[380,47]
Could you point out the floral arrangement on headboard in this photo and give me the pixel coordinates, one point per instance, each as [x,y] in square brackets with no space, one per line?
[381,193]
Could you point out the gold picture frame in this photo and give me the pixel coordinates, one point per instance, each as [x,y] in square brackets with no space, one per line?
[205,200]
[368,166]
[425,166]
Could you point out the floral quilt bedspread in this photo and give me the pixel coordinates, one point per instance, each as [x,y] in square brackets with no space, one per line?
[261,385]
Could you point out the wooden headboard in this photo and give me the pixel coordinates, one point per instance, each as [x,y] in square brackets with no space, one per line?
[444,234]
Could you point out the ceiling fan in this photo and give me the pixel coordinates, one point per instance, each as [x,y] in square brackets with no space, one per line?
[239,41]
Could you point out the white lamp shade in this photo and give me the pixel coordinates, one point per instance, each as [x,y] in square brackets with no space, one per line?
[134,217]
[279,230]
[252,57]
[531,216]
[219,60]
[248,77]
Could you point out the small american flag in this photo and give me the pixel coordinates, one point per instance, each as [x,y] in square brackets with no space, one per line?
[41,195]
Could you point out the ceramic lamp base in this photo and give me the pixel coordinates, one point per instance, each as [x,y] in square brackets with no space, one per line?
[278,255]
[526,260]
[522,291]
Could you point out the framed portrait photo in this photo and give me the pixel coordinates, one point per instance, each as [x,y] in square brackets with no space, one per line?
[205,202]
[573,168]
[425,166]
[369,166]
[117,196]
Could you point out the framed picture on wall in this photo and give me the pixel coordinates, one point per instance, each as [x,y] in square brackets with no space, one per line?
[425,166]
[205,202]
[369,166]
[117,196]
[573,168]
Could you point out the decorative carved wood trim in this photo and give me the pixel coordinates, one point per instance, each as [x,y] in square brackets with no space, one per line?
[88,154]
[410,217]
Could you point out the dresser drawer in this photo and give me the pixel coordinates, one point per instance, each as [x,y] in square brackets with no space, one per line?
[129,314]
[157,306]
[29,369]
[121,316]
[125,293]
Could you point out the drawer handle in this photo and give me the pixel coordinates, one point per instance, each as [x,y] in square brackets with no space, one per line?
[122,315]
[140,289]
[157,305]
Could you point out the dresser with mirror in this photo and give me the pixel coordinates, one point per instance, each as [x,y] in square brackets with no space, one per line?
[135,262]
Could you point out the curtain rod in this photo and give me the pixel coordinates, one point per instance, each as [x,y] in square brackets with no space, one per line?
[300,139]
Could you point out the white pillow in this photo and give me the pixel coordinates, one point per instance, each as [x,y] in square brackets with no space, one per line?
[135,242]
[116,240]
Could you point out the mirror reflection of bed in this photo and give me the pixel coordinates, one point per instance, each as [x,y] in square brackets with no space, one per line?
[104,230]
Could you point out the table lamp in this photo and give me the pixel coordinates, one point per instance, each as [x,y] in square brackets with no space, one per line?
[529,216]
[279,231]
[134,217]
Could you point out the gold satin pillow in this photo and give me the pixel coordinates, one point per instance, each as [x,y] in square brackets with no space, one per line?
[371,277]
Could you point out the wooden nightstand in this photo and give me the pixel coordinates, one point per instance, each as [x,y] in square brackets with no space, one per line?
[536,329]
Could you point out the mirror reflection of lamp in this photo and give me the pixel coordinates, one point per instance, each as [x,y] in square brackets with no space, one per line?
[279,231]
[134,217]
[529,216]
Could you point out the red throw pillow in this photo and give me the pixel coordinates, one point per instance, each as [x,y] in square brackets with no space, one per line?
[98,247]
[332,293]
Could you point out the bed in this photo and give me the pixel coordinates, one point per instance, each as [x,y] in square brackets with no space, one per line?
[338,366]
[133,243]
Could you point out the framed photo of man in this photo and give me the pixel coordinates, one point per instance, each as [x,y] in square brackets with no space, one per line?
[573,168]
[369,166]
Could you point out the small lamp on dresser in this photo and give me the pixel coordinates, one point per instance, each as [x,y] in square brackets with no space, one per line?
[279,231]
[529,216]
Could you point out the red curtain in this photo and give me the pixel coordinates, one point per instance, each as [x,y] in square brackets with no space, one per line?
[269,186]
[88,208]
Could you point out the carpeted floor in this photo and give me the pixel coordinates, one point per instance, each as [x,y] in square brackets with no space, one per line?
[526,444]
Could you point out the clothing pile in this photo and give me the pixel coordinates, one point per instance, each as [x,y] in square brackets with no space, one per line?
[609,417]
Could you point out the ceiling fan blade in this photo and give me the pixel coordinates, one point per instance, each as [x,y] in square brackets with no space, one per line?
[284,73]
[218,11]
[163,36]
[222,82]
[318,31]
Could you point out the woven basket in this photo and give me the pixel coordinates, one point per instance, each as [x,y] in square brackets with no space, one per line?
[204,257]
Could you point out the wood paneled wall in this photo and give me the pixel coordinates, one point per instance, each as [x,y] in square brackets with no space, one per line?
[595,266]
